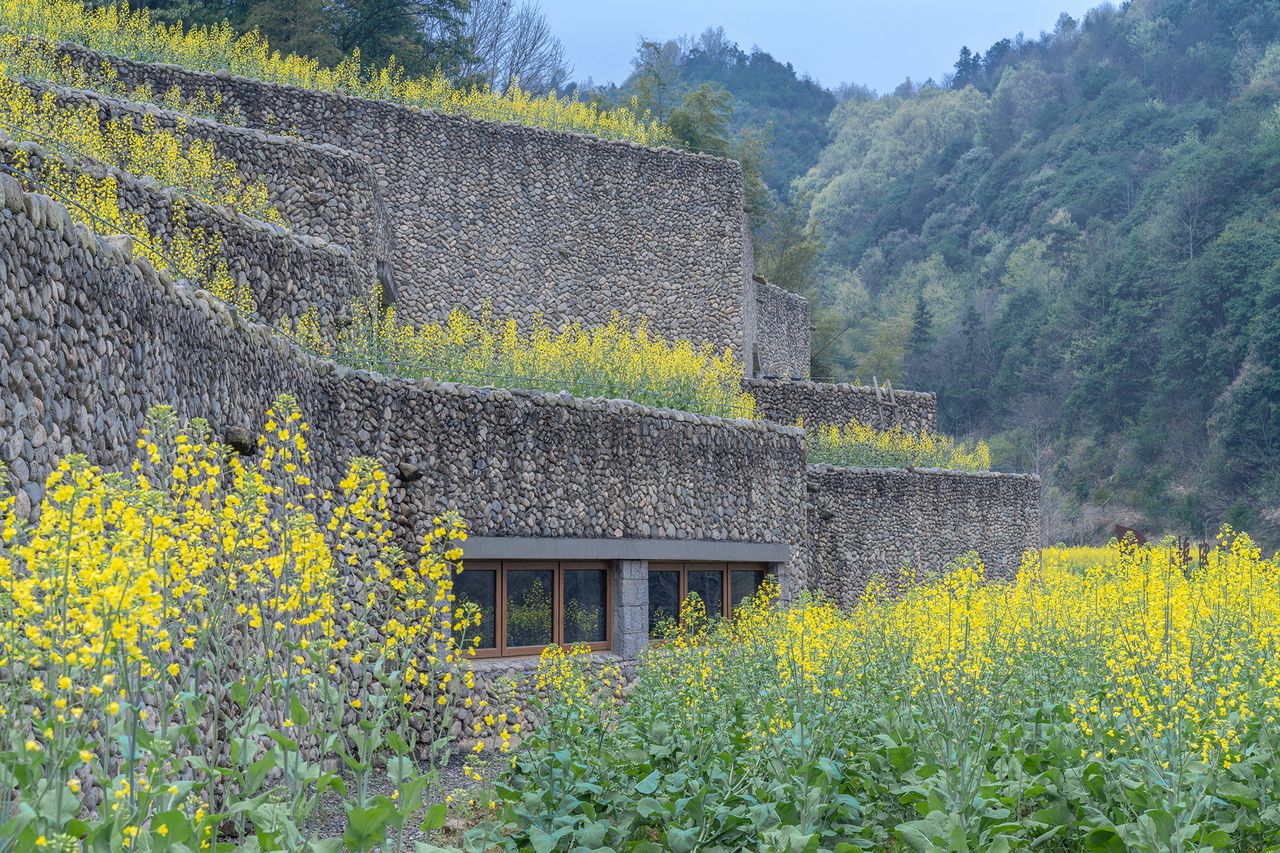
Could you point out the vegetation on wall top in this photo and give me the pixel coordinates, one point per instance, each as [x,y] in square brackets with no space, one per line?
[189,165]
[620,360]
[860,445]
[121,31]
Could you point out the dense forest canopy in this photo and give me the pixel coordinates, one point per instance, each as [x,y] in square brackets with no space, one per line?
[1073,239]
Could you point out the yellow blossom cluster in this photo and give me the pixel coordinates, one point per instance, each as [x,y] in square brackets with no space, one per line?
[118,30]
[858,444]
[1150,652]
[619,360]
[1103,698]
[233,611]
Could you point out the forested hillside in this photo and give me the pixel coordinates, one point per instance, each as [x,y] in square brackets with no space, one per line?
[1075,242]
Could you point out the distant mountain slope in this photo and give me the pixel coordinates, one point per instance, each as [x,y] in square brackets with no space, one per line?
[768,98]
[1075,241]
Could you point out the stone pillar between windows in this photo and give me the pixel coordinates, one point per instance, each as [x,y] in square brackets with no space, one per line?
[630,607]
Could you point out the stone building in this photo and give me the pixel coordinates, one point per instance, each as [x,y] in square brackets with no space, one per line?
[603,509]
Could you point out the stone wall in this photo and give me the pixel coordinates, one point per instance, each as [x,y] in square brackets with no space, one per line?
[782,333]
[320,190]
[286,272]
[866,523]
[566,225]
[789,401]
[91,340]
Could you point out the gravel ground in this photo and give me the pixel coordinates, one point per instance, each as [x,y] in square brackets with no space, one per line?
[330,817]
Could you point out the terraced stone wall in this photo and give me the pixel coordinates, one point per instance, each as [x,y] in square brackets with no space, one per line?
[866,523]
[287,273]
[782,333]
[789,401]
[531,221]
[90,339]
[320,191]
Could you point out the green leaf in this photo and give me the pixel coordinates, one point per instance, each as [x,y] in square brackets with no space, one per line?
[297,713]
[913,834]
[682,840]
[900,757]
[1104,839]
[367,827]
[1218,839]
[649,784]
[435,818]
[545,842]
[1241,795]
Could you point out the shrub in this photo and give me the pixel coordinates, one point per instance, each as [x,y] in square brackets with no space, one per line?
[1112,700]
[858,445]
[116,29]
[190,647]
[616,360]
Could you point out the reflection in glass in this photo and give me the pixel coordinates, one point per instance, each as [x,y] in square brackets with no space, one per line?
[709,585]
[529,607]
[664,599]
[743,584]
[479,587]
[585,598]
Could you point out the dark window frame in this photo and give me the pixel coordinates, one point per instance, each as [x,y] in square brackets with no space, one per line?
[726,570]
[500,568]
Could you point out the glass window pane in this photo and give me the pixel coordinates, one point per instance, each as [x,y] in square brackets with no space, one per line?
[743,584]
[529,607]
[664,599]
[709,585]
[479,587]
[585,600]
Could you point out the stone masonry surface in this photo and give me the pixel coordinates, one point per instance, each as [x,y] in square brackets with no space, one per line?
[788,401]
[286,272]
[866,523]
[320,190]
[90,340]
[782,333]
[532,221]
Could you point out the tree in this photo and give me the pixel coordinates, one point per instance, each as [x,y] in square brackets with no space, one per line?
[513,45]
[701,122]
[303,27]
[786,247]
[968,67]
[655,78]
[423,35]
[995,55]
[921,327]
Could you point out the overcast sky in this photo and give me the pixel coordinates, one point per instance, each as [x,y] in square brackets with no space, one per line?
[876,42]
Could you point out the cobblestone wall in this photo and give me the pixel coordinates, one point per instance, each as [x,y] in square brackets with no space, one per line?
[566,225]
[866,523]
[788,401]
[782,333]
[286,272]
[92,340]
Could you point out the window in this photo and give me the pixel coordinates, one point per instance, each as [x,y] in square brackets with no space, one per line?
[527,605]
[721,586]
